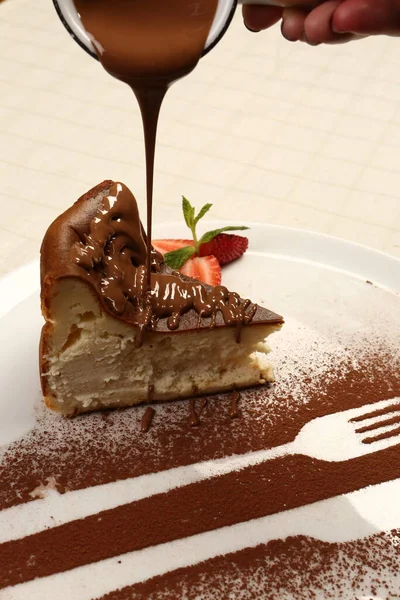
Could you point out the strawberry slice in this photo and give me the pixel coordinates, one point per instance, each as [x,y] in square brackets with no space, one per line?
[225,247]
[164,246]
[190,256]
[206,269]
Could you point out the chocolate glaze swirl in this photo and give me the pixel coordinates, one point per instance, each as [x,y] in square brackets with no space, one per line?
[114,256]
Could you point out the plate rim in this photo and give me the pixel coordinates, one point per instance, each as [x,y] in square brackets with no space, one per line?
[19,284]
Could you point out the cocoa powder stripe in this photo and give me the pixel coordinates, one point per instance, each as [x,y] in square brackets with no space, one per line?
[112,448]
[298,567]
[376,413]
[383,436]
[196,508]
[379,424]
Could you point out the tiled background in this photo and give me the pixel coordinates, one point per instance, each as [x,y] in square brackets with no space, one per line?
[264,129]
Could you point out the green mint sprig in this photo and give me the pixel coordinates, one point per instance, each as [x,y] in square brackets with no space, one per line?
[177,258]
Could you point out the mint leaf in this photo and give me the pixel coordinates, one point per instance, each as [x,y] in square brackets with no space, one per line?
[210,235]
[177,258]
[188,212]
[202,212]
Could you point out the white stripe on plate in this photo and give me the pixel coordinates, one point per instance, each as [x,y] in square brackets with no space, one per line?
[56,509]
[340,519]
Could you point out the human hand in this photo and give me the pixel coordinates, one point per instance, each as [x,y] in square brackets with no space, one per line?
[333,21]
[257,17]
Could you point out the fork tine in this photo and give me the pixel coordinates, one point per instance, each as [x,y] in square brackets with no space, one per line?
[390,432]
[380,423]
[378,409]
[384,444]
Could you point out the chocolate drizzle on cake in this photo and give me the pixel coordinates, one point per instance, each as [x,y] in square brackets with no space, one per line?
[195,414]
[234,411]
[150,392]
[147,419]
[203,404]
[115,242]
[113,256]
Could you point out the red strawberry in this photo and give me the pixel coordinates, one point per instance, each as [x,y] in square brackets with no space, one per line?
[225,247]
[206,269]
[214,245]
[164,246]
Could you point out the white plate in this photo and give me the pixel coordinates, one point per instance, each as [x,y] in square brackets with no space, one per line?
[21,320]
[313,280]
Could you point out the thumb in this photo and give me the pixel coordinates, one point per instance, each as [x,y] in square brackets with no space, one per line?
[368,17]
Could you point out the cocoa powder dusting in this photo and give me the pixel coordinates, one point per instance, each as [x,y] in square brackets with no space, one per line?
[377,413]
[298,568]
[378,424]
[253,492]
[111,449]
[382,436]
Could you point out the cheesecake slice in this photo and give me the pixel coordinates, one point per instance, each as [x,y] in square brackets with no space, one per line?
[114,337]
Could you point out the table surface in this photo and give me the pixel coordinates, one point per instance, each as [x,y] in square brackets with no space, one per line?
[263,129]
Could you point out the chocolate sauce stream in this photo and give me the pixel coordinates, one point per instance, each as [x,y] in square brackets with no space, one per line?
[148,44]
[150,101]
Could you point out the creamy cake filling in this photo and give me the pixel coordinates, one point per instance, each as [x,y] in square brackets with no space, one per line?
[91,350]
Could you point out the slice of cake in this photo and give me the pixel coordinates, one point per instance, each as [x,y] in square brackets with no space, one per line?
[111,340]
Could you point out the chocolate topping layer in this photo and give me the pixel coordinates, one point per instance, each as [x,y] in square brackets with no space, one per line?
[101,241]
